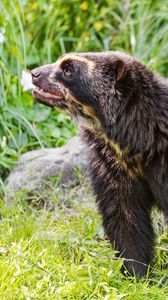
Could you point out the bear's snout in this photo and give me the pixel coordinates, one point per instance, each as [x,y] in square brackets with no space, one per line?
[36,72]
[40,75]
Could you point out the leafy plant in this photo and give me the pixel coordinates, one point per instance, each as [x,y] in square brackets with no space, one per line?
[35,33]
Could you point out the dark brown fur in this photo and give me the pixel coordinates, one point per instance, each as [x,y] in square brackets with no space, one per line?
[122,108]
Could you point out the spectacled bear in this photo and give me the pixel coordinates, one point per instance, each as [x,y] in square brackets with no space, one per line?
[122,110]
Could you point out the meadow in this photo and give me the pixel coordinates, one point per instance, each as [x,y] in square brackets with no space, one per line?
[48,251]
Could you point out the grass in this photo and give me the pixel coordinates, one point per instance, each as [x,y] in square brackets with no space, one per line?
[55,249]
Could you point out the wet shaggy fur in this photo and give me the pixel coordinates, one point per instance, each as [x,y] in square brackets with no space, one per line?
[122,109]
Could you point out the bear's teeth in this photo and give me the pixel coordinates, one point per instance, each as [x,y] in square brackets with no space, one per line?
[40,89]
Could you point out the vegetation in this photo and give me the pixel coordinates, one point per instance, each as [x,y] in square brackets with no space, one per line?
[38,32]
[54,255]
[56,250]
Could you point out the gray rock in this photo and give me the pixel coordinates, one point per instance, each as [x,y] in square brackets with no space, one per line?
[34,167]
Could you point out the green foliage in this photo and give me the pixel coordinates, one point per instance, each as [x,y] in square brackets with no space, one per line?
[38,32]
[137,27]
[61,254]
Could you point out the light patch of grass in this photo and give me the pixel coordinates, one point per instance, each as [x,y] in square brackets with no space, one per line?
[60,253]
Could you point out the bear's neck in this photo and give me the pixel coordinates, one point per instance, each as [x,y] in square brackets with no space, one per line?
[141,126]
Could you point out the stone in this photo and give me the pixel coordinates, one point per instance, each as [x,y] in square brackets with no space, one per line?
[35,166]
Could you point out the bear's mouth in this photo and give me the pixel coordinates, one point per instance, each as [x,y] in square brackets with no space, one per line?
[48,98]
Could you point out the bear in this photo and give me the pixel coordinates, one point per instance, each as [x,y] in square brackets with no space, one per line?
[121,108]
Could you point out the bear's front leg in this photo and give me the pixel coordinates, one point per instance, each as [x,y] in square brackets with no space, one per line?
[124,202]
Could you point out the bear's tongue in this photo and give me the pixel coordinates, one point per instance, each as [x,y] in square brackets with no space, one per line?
[40,94]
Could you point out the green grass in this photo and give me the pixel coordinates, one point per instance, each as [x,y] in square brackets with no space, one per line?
[55,249]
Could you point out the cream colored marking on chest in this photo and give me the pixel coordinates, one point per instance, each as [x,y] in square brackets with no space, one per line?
[120,155]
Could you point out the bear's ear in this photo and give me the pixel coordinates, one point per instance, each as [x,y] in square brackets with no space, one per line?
[120,68]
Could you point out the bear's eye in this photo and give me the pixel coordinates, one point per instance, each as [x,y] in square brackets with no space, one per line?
[67,70]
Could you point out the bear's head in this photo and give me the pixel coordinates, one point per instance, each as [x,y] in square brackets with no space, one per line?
[86,85]
[110,90]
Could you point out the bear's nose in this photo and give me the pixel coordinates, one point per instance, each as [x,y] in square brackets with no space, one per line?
[36,72]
